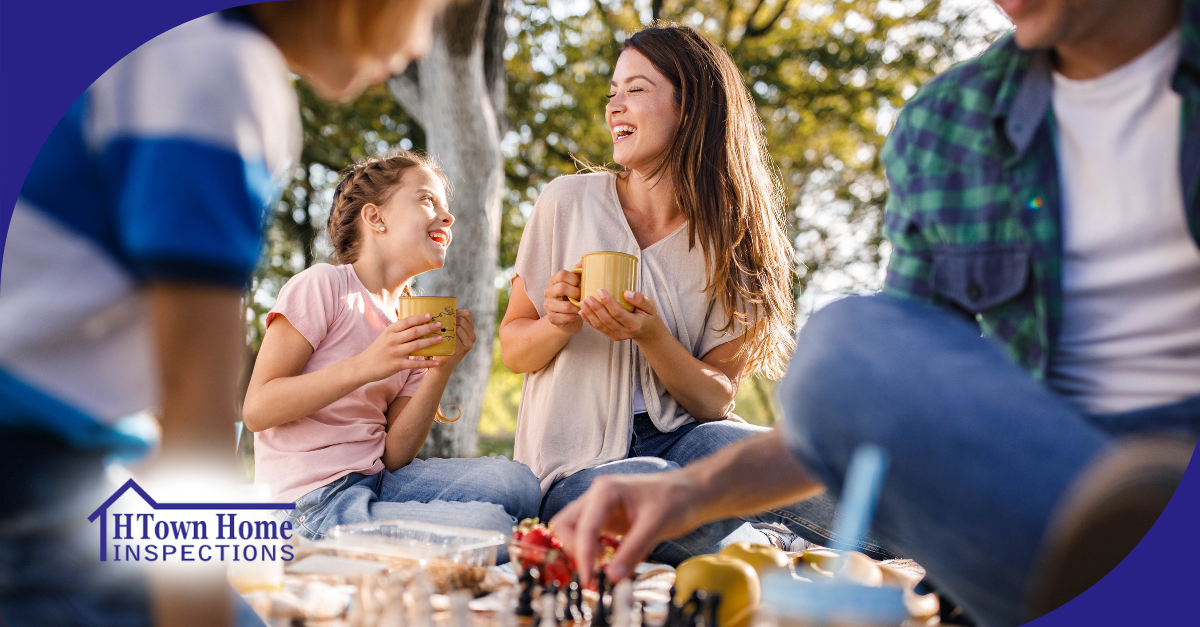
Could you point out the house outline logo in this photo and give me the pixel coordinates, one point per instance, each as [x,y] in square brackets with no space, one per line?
[133,485]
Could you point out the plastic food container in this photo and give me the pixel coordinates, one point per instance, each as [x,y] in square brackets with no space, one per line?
[424,542]
[789,602]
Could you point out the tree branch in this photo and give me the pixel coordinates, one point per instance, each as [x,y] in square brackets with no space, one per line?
[612,28]
[753,31]
[494,39]
[406,89]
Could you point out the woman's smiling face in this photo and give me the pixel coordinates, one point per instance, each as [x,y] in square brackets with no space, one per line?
[642,113]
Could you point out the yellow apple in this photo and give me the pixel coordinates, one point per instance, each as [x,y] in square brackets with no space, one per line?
[732,578]
[763,557]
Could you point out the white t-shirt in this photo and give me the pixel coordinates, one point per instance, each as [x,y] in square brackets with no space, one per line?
[1130,335]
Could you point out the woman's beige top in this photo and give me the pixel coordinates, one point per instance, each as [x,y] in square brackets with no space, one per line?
[577,412]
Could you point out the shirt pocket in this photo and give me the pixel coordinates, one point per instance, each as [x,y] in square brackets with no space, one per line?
[977,277]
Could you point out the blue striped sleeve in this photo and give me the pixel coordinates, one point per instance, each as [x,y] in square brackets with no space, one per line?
[187,211]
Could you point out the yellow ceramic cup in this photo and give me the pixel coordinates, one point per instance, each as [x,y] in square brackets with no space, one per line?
[442,309]
[612,272]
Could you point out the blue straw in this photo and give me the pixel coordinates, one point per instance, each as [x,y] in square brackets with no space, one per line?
[860,495]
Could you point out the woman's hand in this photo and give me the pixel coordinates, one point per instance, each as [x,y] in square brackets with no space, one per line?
[464,339]
[609,318]
[391,351]
[559,311]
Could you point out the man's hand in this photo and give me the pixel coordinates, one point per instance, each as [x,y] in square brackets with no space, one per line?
[645,509]
[648,509]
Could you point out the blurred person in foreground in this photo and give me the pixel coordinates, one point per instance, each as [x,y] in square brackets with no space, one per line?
[130,248]
[1047,196]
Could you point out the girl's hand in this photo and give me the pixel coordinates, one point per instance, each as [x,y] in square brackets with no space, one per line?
[464,339]
[391,351]
[559,311]
[609,318]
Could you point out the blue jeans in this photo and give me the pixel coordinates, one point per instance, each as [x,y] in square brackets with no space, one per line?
[654,451]
[980,451]
[50,574]
[483,493]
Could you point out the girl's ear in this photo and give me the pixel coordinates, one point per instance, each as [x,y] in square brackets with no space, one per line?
[372,218]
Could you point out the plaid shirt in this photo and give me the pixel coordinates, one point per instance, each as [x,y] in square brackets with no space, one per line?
[974,208]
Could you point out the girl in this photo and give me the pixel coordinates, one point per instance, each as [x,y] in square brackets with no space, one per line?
[338,405]
[700,205]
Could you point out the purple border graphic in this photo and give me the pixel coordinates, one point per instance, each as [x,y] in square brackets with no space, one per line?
[51,51]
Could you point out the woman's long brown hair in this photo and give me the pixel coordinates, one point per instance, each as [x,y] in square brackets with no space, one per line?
[729,190]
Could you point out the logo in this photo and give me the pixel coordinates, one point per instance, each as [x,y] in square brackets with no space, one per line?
[149,531]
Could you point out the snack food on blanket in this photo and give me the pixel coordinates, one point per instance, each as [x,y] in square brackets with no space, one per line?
[764,558]
[733,579]
[534,544]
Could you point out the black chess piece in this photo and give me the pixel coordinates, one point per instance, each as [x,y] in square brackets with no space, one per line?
[672,610]
[709,609]
[525,601]
[600,618]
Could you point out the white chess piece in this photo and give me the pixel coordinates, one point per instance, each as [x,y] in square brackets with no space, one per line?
[622,604]
[420,609]
[507,617]
[549,610]
[459,612]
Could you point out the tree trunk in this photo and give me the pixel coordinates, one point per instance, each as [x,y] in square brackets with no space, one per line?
[456,94]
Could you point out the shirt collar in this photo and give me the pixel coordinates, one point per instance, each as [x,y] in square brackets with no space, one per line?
[1026,90]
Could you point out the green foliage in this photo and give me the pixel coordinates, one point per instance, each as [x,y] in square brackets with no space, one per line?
[827,75]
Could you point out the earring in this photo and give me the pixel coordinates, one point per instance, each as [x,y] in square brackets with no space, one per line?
[381,229]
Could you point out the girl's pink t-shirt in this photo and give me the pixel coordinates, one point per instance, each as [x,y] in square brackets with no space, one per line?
[329,306]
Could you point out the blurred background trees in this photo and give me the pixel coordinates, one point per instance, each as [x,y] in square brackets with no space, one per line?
[828,77]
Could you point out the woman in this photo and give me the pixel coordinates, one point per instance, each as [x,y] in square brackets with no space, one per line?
[700,205]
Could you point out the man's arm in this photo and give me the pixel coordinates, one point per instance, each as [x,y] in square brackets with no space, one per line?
[200,340]
[648,509]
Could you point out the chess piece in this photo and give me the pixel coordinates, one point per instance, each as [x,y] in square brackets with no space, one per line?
[505,617]
[622,604]
[709,610]
[600,618]
[549,608]
[420,608]
[525,601]
[459,612]
[575,599]
[672,610]
[559,611]
[393,613]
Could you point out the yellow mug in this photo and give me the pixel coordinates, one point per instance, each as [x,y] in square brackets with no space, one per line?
[613,272]
[441,309]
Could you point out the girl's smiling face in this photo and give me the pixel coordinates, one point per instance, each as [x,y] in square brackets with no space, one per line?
[416,221]
[642,113]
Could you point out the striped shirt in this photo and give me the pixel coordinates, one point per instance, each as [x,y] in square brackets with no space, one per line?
[163,170]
